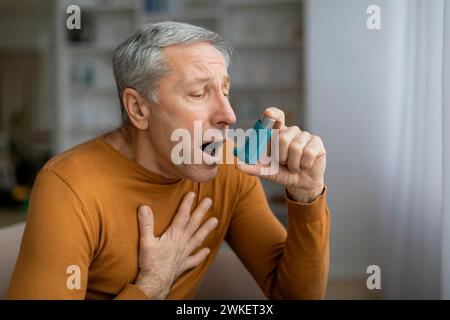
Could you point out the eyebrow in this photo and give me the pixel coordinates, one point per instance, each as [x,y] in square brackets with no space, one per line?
[208,79]
[227,80]
[202,79]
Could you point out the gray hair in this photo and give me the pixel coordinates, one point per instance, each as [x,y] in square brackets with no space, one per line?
[139,63]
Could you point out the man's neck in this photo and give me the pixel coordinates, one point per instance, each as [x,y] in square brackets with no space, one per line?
[130,143]
[121,139]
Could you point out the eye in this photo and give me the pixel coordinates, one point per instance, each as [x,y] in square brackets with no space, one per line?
[198,96]
[226,95]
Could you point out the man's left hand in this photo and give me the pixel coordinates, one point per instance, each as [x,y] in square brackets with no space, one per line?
[302,160]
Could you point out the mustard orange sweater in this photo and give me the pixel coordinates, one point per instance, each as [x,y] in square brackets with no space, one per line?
[83,212]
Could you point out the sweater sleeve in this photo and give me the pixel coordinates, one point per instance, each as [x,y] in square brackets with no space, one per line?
[290,264]
[58,245]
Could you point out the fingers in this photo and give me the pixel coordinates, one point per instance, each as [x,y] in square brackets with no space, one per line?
[189,224]
[313,150]
[295,150]
[285,139]
[184,211]
[298,149]
[251,169]
[196,259]
[197,215]
[145,218]
[303,151]
[201,234]
[278,115]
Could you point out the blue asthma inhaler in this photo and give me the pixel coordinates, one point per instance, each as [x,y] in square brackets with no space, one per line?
[256,141]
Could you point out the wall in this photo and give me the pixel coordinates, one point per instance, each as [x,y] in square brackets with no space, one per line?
[352,76]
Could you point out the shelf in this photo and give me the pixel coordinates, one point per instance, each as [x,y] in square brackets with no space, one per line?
[89,49]
[240,3]
[199,14]
[80,90]
[109,9]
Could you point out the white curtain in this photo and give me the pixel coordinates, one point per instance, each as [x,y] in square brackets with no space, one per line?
[445,272]
[414,225]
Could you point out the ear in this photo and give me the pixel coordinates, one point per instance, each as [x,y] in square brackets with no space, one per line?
[137,108]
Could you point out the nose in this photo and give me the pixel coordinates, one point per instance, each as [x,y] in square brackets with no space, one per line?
[222,114]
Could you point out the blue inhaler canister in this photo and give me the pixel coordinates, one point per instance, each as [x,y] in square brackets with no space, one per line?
[256,141]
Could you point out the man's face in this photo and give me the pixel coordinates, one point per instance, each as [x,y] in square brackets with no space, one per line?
[196,89]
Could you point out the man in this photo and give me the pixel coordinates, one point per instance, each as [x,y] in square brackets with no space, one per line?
[116,218]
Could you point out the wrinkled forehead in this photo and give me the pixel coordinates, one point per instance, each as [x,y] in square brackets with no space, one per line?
[196,61]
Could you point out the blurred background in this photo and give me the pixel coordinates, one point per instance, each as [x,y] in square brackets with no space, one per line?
[376,97]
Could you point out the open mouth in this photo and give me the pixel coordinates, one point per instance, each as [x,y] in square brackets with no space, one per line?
[211,147]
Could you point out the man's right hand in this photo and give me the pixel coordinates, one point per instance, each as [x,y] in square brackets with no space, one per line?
[162,259]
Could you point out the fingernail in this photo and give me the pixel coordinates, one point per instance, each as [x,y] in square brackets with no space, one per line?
[143,210]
